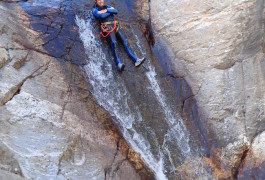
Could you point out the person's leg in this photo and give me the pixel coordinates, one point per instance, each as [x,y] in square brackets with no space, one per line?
[123,39]
[114,47]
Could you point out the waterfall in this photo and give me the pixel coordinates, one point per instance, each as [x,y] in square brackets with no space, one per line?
[177,131]
[113,96]
[111,93]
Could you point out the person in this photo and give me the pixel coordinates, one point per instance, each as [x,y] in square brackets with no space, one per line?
[110,28]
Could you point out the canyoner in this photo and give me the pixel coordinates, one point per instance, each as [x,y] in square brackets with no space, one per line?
[110,28]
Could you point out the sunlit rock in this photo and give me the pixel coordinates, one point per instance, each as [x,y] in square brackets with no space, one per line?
[218,47]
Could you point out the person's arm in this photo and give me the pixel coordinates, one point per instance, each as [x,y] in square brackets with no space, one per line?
[112,10]
[100,14]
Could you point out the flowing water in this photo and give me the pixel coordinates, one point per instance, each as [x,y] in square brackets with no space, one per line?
[110,90]
[142,102]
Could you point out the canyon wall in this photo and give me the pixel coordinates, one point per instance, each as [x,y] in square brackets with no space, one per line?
[218,48]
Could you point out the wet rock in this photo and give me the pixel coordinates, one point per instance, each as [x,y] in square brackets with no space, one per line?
[50,125]
[218,48]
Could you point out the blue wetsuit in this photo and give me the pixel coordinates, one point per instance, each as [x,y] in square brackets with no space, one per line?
[109,17]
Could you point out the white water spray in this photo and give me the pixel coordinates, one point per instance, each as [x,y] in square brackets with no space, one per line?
[178,130]
[113,96]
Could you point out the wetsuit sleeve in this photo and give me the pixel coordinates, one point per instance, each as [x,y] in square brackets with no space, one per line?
[100,16]
[112,11]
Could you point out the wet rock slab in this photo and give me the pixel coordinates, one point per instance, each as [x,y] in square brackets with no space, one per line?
[56,26]
[50,125]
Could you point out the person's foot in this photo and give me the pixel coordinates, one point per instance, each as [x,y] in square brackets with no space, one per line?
[121,67]
[139,61]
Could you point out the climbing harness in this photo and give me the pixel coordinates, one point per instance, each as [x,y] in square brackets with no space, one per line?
[107,28]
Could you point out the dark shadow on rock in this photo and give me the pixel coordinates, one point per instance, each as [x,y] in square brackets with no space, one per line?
[254,173]
[184,97]
[59,32]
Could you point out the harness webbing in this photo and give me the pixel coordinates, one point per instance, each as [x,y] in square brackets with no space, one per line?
[105,28]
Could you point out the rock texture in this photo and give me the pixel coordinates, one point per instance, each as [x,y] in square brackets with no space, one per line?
[253,164]
[50,126]
[218,48]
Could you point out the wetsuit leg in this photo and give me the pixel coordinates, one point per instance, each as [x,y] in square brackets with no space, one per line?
[123,39]
[114,47]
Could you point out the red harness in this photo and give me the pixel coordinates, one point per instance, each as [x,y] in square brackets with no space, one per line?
[105,28]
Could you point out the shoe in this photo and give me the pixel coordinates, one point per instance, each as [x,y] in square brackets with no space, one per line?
[121,67]
[139,61]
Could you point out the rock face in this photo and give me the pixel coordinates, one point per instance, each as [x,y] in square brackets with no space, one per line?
[254,161]
[50,126]
[218,47]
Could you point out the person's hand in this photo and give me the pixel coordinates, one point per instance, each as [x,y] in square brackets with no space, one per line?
[102,11]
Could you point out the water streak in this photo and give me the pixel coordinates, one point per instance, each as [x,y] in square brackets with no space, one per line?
[178,131]
[111,94]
